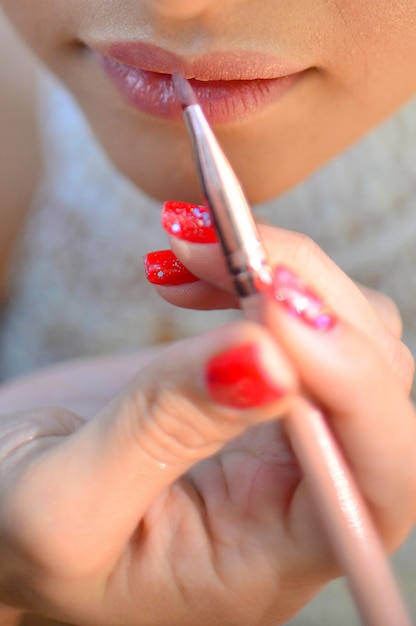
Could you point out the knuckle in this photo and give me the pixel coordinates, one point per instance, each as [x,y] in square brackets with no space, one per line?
[392,319]
[397,358]
[306,251]
[297,248]
[386,310]
[310,261]
[169,414]
[167,425]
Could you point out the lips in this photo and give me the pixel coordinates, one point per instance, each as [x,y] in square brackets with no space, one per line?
[230,86]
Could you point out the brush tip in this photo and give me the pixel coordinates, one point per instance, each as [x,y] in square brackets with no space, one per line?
[184,91]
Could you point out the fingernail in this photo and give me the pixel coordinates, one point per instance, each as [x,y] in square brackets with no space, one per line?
[300,300]
[190,222]
[164,268]
[236,378]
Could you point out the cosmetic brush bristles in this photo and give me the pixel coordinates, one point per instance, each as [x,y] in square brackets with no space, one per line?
[184,91]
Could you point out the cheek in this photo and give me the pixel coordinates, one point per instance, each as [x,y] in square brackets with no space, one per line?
[381,35]
[44,26]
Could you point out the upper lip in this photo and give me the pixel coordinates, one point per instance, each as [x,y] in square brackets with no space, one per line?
[213,66]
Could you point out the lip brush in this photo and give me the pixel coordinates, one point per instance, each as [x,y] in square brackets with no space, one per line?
[342,510]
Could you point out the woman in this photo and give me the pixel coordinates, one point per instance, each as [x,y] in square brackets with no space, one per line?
[101,518]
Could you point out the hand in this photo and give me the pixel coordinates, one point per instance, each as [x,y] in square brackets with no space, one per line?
[99,521]
[95,530]
[372,312]
[172,503]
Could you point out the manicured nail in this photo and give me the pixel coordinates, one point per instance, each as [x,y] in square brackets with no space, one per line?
[164,268]
[236,379]
[300,300]
[190,222]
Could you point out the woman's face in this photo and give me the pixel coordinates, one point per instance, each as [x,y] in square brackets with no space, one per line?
[287,83]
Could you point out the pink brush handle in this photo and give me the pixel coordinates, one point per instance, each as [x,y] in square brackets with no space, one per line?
[343,513]
[345,518]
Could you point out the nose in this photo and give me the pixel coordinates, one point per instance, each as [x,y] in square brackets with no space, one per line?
[180,9]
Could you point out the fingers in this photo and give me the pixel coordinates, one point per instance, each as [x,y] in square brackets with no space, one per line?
[191,226]
[178,285]
[290,249]
[345,373]
[192,241]
[179,409]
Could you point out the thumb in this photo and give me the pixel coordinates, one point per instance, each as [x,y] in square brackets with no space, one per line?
[181,408]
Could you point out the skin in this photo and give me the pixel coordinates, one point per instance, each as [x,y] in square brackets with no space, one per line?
[93,529]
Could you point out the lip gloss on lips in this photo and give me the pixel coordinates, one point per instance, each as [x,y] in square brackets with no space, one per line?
[232,85]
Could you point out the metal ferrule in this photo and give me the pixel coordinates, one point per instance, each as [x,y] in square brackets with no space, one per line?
[231,213]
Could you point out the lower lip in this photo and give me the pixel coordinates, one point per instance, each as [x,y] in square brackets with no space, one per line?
[223,101]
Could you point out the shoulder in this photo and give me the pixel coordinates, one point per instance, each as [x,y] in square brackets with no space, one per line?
[19,150]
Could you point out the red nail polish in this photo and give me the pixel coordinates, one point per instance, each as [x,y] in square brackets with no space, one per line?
[236,379]
[300,300]
[164,268]
[190,222]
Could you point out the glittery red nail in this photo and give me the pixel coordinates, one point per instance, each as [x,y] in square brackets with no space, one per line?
[236,379]
[300,300]
[164,268]
[190,222]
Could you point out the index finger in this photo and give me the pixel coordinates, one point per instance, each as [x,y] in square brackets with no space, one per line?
[296,251]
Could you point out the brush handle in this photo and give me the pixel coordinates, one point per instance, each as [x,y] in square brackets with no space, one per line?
[345,518]
[340,506]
